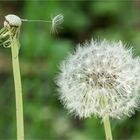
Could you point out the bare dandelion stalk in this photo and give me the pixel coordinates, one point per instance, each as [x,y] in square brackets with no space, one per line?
[9,38]
[18,89]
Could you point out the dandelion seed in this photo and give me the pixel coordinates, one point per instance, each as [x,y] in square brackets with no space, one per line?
[111,80]
[12,25]
[56,21]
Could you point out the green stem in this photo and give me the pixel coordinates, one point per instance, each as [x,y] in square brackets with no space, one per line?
[107,127]
[18,89]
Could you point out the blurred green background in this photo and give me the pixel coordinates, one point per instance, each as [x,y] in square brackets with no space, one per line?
[40,55]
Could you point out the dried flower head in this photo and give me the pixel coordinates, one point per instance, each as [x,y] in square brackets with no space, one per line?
[100,78]
[10,30]
[13,20]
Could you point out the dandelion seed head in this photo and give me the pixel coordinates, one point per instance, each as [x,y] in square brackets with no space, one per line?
[98,72]
[12,20]
[57,21]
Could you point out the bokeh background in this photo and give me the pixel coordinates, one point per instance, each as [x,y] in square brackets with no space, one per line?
[40,55]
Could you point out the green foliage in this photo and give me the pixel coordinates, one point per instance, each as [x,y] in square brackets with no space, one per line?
[40,55]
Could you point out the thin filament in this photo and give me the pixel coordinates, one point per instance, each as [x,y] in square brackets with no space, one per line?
[36,20]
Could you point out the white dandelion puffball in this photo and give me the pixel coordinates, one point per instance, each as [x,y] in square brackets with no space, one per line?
[99,78]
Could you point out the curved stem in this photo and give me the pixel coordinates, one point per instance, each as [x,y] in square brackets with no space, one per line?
[18,89]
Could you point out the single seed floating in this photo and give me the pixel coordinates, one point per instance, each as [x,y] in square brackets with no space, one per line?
[13,23]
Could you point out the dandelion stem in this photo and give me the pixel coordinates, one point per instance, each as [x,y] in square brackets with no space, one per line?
[18,89]
[107,127]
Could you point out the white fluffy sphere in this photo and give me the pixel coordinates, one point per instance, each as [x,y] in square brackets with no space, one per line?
[100,78]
